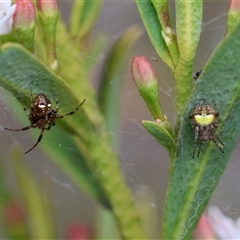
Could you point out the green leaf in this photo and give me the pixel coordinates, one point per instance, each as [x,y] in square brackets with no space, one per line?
[163,133]
[73,69]
[62,149]
[110,86]
[154,29]
[188,26]
[21,69]
[93,55]
[18,77]
[83,16]
[193,180]
[20,72]
[168,34]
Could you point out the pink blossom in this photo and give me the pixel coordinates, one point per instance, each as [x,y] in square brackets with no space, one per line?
[24,15]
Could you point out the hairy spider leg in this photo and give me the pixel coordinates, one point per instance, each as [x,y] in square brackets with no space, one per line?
[38,141]
[20,129]
[41,135]
[24,107]
[196,140]
[72,112]
[215,137]
[199,147]
[217,145]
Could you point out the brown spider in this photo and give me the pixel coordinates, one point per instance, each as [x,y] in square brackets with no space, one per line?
[42,116]
[205,123]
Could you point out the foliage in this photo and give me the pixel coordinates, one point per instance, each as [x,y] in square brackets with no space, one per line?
[58,65]
[46,56]
[192,181]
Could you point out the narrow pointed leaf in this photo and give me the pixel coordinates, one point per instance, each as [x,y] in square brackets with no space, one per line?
[188,27]
[163,134]
[110,86]
[154,29]
[83,17]
[189,22]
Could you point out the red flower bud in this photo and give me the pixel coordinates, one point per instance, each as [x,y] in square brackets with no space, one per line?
[147,85]
[24,15]
[142,71]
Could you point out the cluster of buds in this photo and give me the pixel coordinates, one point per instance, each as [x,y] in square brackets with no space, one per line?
[21,13]
[17,21]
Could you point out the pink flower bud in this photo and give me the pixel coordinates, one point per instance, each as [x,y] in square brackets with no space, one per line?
[233,15]
[24,15]
[234,5]
[47,7]
[142,71]
[147,85]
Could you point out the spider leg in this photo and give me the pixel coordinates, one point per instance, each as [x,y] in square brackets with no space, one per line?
[196,139]
[21,129]
[24,107]
[50,124]
[72,112]
[199,148]
[215,137]
[38,141]
[217,144]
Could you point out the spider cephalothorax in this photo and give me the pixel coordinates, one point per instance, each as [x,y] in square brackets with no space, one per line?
[42,115]
[204,120]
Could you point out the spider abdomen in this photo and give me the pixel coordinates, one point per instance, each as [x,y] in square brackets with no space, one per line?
[205,136]
[42,104]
